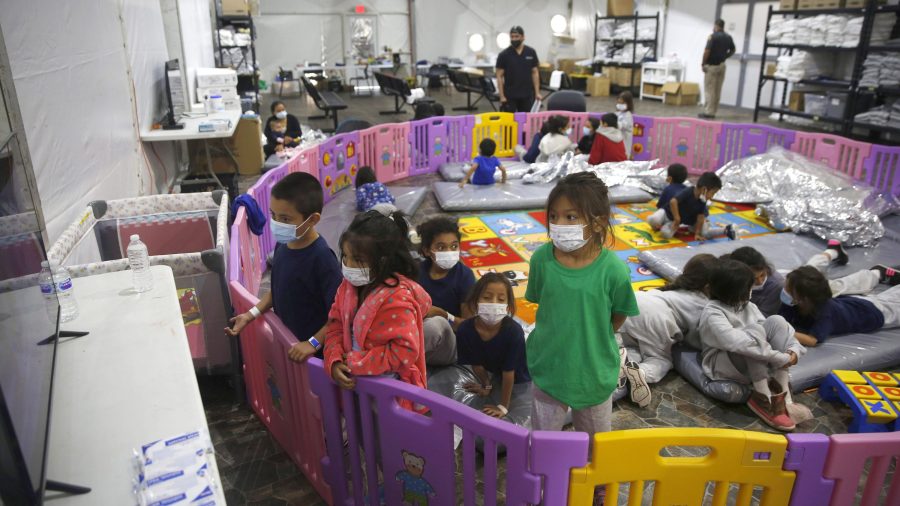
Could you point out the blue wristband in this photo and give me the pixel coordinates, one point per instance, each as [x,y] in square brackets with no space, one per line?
[315,342]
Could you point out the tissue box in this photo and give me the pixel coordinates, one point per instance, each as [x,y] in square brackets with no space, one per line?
[208,78]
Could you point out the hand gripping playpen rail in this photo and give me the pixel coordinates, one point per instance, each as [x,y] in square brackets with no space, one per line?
[396,455]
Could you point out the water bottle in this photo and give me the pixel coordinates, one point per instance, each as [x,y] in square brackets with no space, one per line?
[139,260]
[56,285]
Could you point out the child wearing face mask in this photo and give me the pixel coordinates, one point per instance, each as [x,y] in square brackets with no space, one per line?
[625,117]
[494,345]
[740,344]
[609,143]
[584,294]
[557,140]
[690,207]
[375,325]
[808,304]
[305,271]
[282,129]
[587,139]
[448,282]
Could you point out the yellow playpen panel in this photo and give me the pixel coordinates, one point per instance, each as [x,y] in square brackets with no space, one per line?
[501,127]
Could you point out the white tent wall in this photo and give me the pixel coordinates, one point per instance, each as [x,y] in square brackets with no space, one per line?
[196,40]
[689,24]
[79,104]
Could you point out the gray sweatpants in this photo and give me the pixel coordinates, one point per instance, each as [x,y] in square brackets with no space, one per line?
[859,282]
[548,413]
[659,221]
[440,342]
[781,337]
[888,302]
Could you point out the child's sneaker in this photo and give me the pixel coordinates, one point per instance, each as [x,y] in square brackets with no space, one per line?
[637,381]
[623,359]
[771,411]
[520,151]
[836,245]
[889,275]
[729,232]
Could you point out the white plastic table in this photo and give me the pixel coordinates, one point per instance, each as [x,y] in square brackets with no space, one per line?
[129,382]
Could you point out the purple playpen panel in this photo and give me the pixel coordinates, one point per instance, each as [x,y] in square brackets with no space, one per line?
[385,148]
[689,141]
[882,169]
[839,153]
[21,256]
[429,145]
[847,457]
[459,138]
[805,456]
[306,161]
[531,123]
[553,455]
[242,301]
[640,143]
[740,140]
[338,161]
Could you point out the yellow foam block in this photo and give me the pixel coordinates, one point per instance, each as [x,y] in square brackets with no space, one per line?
[892,393]
[864,392]
[881,378]
[878,411]
[850,377]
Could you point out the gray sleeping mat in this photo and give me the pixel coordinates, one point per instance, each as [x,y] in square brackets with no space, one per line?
[338,213]
[456,171]
[515,195]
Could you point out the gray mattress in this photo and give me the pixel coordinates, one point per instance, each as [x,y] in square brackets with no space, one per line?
[338,213]
[786,251]
[858,352]
[515,195]
[456,171]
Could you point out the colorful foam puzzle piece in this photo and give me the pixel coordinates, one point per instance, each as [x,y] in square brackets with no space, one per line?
[864,392]
[881,379]
[850,377]
[873,397]
[891,393]
[879,410]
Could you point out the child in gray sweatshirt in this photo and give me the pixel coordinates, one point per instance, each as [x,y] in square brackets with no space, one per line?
[742,345]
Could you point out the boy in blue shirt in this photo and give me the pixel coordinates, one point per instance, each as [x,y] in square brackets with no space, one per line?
[676,175]
[484,166]
[305,271]
[690,207]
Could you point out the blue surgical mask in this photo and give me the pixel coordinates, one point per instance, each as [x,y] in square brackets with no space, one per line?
[285,232]
[786,298]
[586,130]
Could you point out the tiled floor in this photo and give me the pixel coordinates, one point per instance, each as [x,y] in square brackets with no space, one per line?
[256,471]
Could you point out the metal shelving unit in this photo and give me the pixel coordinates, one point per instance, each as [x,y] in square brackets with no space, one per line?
[635,66]
[248,82]
[846,123]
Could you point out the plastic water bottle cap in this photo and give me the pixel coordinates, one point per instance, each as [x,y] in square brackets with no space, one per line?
[135,237]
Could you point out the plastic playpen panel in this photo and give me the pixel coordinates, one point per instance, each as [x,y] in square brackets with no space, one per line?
[688,141]
[262,193]
[531,124]
[839,153]
[338,162]
[459,138]
[306,161]
[385,148]
[848,455]
[167,234]
[429,145]
[882,169]
[640,148]
[254,379]
[806,454]
[740,141]
[501,127]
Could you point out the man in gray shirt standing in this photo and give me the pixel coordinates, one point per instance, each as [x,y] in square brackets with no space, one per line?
[719,47]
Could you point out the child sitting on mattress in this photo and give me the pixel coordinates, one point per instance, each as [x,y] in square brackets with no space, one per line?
[808,304]
[557,140]
[667,316]
[690,207]
[740,344]
[369,191]
[530,155]
[676,175]
[587,140]
[483,167]
[494,345]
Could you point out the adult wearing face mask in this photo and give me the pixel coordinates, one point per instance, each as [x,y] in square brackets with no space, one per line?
[282,129]
[518,80]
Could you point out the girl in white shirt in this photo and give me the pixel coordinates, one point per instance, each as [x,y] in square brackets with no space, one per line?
[557,140]
[624,112]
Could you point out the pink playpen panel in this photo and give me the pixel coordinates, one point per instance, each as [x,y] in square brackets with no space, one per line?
[306,161]
[252,366]
[740,140]
[385,148]
[689,141]
[459,138]
[429,145]
[839,153]
[338,162]
[640,149]
[847,457]
[882,169]
[21,255]
[531,123]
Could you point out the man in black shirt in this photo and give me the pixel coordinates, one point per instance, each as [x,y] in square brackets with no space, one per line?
[719,47]
[517,74]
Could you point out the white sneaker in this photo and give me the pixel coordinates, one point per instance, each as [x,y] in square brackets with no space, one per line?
[623,359]
[640,389]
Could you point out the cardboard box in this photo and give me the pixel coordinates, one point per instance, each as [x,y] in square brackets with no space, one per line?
[246,145]
[770,69]
[652,89]
[235,7]
[852,4]
[684,93]
[568,65]
[598,86]
[621,77]
[795,101]
[818,4]
[788,5]
[620,7]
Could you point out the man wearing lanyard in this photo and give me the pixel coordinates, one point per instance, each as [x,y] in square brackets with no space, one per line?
[719,47]
[517,74]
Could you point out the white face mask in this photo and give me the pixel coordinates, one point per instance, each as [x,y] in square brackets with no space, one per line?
[703,198]
[446,259]
[281,114]
[569,131]
[621,107]
[586,130]
[568,238]
[759,286]
[492,313]
[357,276]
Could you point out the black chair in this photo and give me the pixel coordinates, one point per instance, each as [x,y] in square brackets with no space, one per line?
[351,125]
[467,83]
[567,100]
[490,91]
[326,101]
[284,76]
[395,87]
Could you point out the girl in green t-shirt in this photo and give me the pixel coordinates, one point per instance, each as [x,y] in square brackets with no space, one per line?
[584,294]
